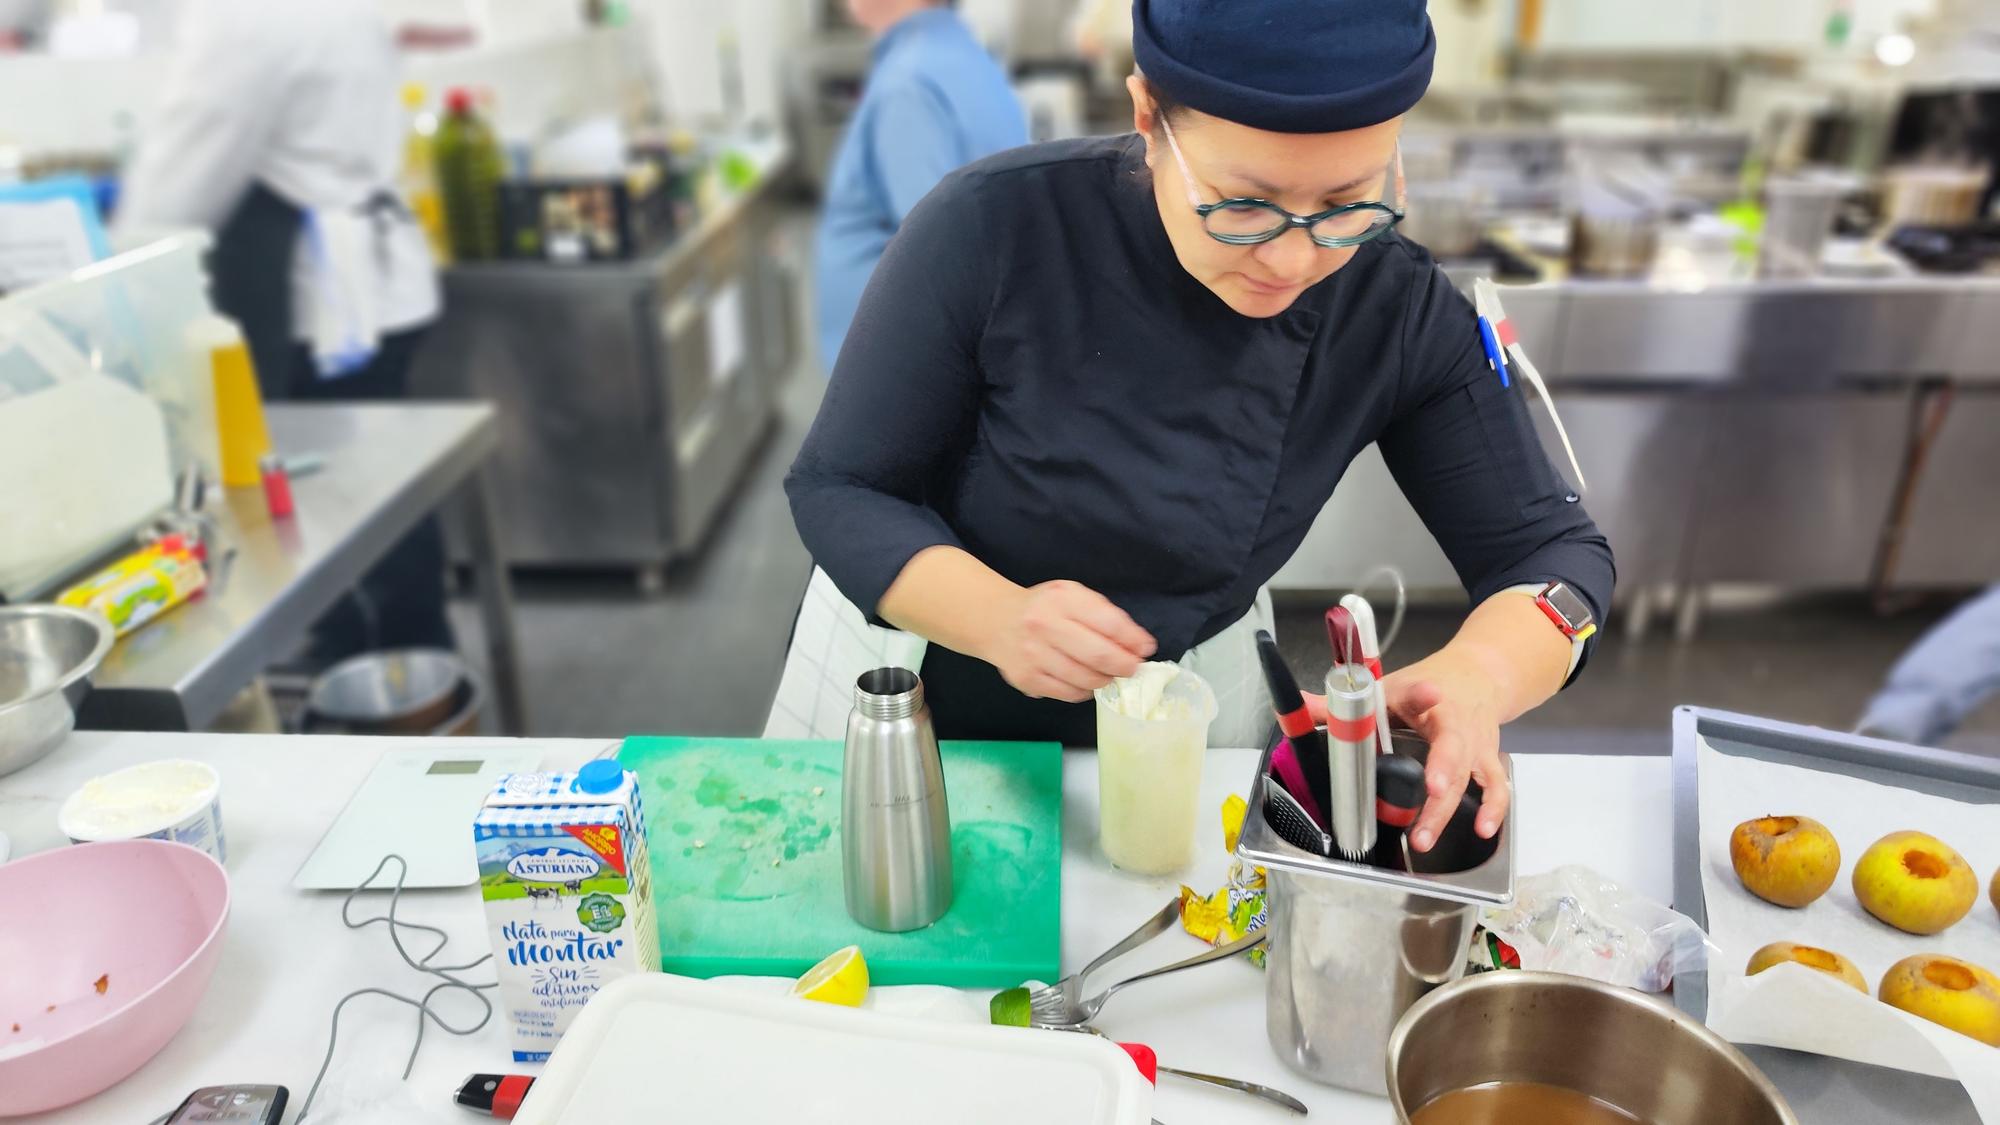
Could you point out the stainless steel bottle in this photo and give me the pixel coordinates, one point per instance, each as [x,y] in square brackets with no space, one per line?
[895,827]
[1350,749]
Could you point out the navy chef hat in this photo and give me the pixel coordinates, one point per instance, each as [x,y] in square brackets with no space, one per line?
[1290,66]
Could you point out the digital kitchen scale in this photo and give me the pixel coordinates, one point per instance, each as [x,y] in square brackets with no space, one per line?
[418,804]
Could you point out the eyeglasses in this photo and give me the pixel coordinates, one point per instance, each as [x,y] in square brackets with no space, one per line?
[1244,221]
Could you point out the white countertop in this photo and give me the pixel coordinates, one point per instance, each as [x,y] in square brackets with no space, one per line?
[288,958]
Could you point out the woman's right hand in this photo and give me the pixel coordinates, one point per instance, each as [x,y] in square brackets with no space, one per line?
[1062,640]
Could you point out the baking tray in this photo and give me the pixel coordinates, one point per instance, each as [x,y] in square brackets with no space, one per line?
[1820,1089]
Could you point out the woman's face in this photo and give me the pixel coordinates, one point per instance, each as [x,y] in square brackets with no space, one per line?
[1302,172]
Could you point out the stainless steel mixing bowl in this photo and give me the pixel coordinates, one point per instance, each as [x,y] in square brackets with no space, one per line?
[47,655]
[1623,1047]
[406,691]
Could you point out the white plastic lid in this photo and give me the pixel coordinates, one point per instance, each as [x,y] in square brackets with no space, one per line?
[654,1047]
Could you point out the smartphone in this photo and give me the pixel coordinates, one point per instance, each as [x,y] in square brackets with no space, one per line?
[239,1105]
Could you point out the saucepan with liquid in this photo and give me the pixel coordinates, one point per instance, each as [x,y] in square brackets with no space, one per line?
[1507,1047]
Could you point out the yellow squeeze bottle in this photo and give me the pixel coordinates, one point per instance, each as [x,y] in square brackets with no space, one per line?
[239,406]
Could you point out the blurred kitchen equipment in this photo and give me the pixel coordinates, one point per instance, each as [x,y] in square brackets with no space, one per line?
[1354,945]
[1619,1046]
[1061,1015]
[47,655]
[1798,215]
[1446,217]
[1955,249]
[1931,194]
[407,691]
[1616,201]
[1613,246]
[129,314]
[107,967]
[84,457]
[895,826]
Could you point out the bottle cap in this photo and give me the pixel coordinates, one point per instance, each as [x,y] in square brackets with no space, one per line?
[458,101]
[603,776]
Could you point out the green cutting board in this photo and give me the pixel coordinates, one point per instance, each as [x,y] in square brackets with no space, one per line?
[745,843]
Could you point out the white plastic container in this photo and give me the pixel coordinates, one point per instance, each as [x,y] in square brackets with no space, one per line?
[667,1048]
[1149,772]
[175,800]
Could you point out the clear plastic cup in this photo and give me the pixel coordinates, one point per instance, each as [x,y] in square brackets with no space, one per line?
[1149,776]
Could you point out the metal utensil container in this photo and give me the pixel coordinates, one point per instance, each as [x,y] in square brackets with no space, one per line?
[895,826]
[1354,945]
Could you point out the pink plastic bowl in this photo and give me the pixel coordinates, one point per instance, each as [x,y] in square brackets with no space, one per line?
[141,918]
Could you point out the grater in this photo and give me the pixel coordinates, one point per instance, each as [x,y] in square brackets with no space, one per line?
[1292,824]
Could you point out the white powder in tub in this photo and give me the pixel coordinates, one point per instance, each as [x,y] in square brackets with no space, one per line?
[137,801]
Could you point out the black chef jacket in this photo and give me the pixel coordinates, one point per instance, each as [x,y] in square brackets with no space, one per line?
[1033,377]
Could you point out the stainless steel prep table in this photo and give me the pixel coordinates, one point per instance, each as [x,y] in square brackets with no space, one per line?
[632,394]
[386,467]
[1748,431]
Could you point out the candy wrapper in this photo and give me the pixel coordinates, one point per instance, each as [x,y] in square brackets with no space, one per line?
[1238,907]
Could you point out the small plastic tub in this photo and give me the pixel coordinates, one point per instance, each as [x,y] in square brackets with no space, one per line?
[175,800]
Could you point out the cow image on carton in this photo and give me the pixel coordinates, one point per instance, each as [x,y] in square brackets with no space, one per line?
[568,894]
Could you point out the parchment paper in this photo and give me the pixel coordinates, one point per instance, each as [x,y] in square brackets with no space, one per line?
[1796,1007]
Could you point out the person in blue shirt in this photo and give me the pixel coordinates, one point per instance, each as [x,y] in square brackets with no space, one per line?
[935,101]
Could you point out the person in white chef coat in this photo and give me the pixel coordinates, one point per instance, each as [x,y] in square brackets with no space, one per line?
[280,130]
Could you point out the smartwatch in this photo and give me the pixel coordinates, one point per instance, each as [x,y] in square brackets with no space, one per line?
[1567,611]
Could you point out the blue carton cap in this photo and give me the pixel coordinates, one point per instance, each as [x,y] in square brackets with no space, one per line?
[602,776]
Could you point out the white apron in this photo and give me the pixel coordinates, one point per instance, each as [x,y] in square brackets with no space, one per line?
[833,644]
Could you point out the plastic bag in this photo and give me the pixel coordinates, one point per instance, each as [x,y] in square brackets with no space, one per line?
[1574,920]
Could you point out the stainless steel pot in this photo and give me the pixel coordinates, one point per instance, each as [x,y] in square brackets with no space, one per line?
[1620,1046]
[1446,218]
[1613,246]
[47,655]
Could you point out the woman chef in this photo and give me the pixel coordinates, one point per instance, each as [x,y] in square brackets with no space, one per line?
[1097,391]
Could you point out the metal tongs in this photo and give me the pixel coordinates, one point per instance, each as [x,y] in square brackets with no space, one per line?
[1062,1005]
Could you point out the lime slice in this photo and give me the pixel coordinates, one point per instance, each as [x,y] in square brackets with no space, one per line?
[840,979]
[1011,1008]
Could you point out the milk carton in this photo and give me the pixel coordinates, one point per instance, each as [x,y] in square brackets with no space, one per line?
[569,896]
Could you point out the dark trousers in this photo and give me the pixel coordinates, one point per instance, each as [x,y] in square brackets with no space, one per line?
[400,603]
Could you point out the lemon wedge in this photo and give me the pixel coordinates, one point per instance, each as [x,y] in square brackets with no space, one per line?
[840,979]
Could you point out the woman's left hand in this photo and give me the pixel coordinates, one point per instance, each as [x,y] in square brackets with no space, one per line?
[1457,708]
